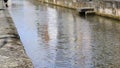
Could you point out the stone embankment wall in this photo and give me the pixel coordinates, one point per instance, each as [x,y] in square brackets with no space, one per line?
[74,4]
[12,53]
[108,8]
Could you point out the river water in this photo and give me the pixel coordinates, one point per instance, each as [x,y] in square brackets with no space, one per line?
[56,37]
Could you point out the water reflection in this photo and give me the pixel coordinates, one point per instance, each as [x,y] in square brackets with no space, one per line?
[106,42]
[56,37]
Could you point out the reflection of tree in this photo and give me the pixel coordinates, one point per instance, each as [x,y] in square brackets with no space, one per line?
[43,32]
[46,33]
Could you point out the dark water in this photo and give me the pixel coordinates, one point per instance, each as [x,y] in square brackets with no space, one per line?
[56,37]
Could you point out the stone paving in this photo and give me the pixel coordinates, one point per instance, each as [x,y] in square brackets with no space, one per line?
[12,54]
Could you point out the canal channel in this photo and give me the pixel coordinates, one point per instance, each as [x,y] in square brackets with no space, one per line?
[57,37]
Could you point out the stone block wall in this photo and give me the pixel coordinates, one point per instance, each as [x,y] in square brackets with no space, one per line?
[108,8]
[69,3]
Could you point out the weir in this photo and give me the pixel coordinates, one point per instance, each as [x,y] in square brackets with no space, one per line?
[85,10]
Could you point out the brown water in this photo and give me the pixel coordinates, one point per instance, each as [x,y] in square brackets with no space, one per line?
[56,37]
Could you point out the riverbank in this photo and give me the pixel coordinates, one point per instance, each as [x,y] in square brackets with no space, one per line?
[12,53]
[107,15]
[96,12]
